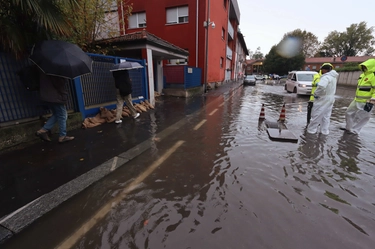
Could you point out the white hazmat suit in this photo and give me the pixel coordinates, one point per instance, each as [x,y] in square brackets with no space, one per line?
[323,103]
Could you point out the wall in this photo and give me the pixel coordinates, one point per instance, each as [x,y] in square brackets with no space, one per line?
[348,78]
[19,134]
[184,35]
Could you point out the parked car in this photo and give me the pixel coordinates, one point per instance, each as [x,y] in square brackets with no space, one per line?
[275,77]
[249,80]
[299,82]
[260,77]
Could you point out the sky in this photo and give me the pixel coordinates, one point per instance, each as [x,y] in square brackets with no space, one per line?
[264,22]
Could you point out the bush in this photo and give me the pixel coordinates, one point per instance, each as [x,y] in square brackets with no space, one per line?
[349,67]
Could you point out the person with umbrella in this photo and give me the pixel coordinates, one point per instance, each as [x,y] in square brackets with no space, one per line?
[53,92]
[58,61]
[123,84]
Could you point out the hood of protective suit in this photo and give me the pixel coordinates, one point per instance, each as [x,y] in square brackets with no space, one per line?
[370,64]
[332,73]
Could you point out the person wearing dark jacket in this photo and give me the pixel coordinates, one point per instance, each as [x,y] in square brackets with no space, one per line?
[53,91]
[123,84]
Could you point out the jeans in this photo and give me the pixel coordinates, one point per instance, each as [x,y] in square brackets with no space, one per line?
[59,115]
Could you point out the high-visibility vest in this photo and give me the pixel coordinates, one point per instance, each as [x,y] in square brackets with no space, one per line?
[315,84]
[366,83]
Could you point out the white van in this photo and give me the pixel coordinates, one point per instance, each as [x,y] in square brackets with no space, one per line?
[299,82]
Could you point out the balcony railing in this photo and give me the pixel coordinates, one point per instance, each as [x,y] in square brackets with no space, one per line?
[229,53]
[230,31]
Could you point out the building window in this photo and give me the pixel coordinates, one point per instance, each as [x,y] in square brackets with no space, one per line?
[221,62]
[178,62]
[225,4]
[137,20]
[223,33]
[314,67]
[178,15]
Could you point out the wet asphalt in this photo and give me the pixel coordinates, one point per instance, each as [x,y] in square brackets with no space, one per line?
[227,185]
[36,178]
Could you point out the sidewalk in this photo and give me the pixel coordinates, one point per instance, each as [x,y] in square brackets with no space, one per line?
[39,177]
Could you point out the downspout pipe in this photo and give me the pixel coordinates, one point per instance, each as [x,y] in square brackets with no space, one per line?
[196,35]
[206,57]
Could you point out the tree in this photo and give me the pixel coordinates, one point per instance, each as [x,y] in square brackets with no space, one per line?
[94,20]
[309,41]
[275,63]
[24,22]
[356,40]
[251,53]
[258,55]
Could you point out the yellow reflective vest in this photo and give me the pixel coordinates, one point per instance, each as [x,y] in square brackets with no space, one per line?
[366,82]
[315,84]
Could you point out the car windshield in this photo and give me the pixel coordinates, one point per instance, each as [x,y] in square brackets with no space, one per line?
[305,77]
[250,77]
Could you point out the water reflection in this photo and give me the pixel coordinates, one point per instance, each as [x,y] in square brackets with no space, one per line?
[349,147]
[312,147]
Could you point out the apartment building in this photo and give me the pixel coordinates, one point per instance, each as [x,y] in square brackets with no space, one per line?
[204,28]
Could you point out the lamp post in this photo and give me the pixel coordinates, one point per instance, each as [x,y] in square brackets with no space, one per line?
[206,24]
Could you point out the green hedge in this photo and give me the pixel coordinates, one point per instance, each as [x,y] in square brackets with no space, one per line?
[348,67]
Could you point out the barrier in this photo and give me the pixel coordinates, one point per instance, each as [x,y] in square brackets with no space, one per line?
[262,114]
[282,114]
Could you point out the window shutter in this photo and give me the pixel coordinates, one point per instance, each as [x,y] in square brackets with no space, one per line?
[183,11]
[141,19]
[172,15]
[133,21]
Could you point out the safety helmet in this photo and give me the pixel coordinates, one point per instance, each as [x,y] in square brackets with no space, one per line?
[327,64]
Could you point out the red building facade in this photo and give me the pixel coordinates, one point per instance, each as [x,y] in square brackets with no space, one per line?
[182,22]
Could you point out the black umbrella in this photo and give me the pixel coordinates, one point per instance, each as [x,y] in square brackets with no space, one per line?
[60,58]
[127,65]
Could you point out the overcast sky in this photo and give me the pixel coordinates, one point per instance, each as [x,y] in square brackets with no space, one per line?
[264,22]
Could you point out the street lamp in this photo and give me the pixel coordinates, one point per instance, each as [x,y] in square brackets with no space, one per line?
[206,24]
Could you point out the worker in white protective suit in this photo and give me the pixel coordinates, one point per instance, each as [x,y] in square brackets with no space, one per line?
[359,111]
[324,96]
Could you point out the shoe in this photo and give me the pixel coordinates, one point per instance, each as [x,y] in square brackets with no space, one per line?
[136,115]
[43,135]
[65,139]
[118,121]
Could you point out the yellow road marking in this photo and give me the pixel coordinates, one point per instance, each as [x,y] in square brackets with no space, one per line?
[86,227]
[200,124]
[213,112]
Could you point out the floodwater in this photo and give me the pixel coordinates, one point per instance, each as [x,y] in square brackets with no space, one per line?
[220,182]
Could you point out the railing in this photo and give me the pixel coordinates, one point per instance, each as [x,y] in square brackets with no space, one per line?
[16,102]
[229,53]
[230,31]
[98,88]
[86,94]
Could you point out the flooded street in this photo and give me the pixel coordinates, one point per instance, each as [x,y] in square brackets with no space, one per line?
[216,180]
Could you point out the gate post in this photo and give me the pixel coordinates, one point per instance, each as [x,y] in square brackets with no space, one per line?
[79,97]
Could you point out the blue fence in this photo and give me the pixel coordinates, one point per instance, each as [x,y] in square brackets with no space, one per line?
[87,93]
[98,89]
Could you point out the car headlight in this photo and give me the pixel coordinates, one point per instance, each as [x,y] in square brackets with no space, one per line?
[301,85]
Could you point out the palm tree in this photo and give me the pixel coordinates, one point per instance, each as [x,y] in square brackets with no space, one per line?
[24,22]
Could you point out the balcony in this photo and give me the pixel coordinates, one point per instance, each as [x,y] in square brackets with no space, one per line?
[230,31]
[229,53]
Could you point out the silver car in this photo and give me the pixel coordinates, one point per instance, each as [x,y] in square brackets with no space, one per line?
[249,80]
